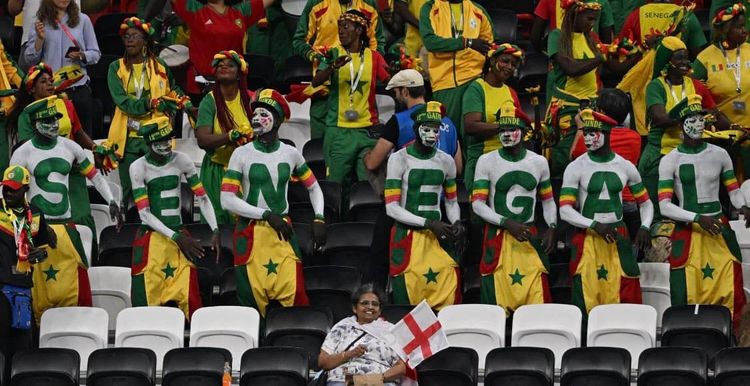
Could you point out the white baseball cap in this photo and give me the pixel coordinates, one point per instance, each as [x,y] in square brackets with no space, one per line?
[405,78]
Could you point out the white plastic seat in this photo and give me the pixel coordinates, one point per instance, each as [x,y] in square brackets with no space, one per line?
[83,329]
[629,326]
[87,239]
[386,107]
[296,130]
[655,289]
[157,328]
[554,326]
[110,290]
[300,111]
[234,328]
[100,213]
[477,326]
[743,236]
[190,147]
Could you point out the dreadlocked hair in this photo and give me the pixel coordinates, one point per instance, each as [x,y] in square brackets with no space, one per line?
[568,27]
[226,122]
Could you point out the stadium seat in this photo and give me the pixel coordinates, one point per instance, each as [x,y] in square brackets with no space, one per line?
[386,107]
[262,74]
[303,327]
[116,247]
[732,367]
[190,147]
[110,290]
[157,328]
[296,131]
[628,326]
[300,112]
[395,312]
[673,366]
[554,326]
[655,288]
[332,286]
[83,329]
[471,282]
[706,327]
[533,72]
[279,366]
[313,154]
[601,366]
[520,366]
[45,366]
[100,213]
[195,366]
[303,233]
[477,326]
[348,244]
[210,261]
[87,241]
[227,295]
[109,23]
[111,44]
[123,366]
[300,208]
[297,70]
[234,328]
[365,205]
[505,25]
[452,366]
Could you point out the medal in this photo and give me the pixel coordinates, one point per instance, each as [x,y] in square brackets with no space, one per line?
[351,115]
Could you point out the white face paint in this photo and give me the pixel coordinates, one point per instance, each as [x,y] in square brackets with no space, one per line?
[49,129]
[262,121]
[694,125]
[162,148]
[593,139]
[428,134]
[510,137]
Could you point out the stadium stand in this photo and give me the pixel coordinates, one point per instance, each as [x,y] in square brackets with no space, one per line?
[52,366]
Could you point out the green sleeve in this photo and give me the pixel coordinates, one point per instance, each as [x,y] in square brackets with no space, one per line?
[206,112]
[655,94]
[25,131]
[553,43]
[432,42]
[473,100]
[378,28]
[126,103]
[606,19]
[695,37]
[299,42]
[699,70]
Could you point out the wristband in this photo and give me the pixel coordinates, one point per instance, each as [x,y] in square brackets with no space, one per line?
[175,236]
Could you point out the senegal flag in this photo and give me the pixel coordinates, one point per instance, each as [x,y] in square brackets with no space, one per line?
[62,280]
[706,269]
[514,273]
[602,272]
[162,273]
[421,268]
[266,267]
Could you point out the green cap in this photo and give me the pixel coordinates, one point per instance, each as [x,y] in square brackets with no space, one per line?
[43,109]
[691,105]
[156,129]
[431,112]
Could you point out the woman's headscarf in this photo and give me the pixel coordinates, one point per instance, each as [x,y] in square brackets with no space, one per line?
[139,24]
[34,73]
[506,48]
[728,14]
[234,56]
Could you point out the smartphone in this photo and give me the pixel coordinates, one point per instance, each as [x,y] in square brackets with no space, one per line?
[72,49]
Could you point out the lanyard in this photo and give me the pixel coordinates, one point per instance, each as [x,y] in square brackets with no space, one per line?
[456,31]
[737,68]
[139,86]
[674,94]
[354,82]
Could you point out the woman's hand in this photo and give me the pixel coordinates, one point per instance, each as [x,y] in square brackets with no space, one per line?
[40,32]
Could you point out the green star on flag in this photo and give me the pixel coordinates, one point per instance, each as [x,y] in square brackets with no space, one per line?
[431,276]
[271,267]
[51,273]
[169,270]
[516,277]
[708,271]
[601,273]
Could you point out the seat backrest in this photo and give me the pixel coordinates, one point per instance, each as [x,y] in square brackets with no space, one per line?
[349,235]
[655,287]
[100,213]
[300,111]
[110,290]
[362,196]
[672,366]
[157,328]
[602,366]
[478,326]
[505,24]
[283,366]
[395,312]
[116,246]
[195,366]
[128,366]
[707,327]
[386,107]
[628,326]
[555,326]
[527,366]
[732,367]
[234,328]
[45,366]
[304,327]
[83,329]
[332,277]
[87,240]
[448,367]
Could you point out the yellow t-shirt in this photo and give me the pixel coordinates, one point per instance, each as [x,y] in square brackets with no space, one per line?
[137,75]
[457,13]
[586,85]
[222,154]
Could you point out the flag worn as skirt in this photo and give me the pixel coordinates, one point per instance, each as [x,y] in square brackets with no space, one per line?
[603,273]
[266,267]
[514,273]
[421,268]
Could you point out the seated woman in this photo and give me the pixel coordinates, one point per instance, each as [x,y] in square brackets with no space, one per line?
[355,345]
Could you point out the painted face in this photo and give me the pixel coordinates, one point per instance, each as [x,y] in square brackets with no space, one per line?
[506,66]
[162,148]
[262,121]
[510,136]
[694,125]
[429,133]
[49,128]
[593,139]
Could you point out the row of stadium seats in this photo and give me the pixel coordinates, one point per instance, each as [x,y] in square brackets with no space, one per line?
[453,366]
[556,327]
